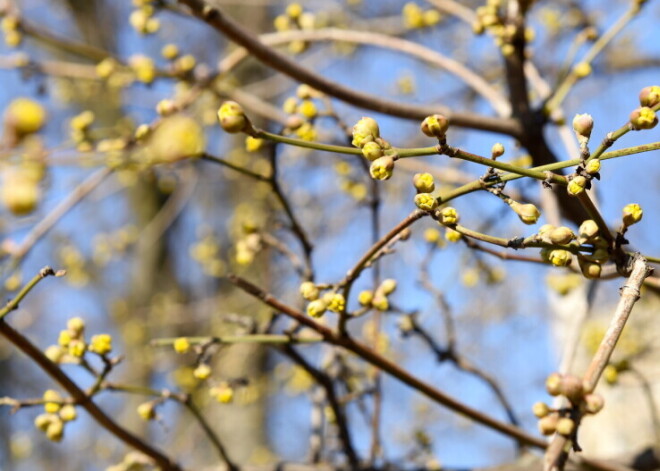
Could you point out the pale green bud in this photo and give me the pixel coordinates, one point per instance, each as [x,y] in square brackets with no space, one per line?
[593,166]
[382,168]
[423,182]
[576,185]
[435,126]
[372,151]
[365,130]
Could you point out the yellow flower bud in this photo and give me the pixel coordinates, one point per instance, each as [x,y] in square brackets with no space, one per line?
[431,235]
[203,371]
[53,401]
[54,353]
[106,67]
[548,424]
[309,291]
[253,144]
[632,214]
[143,67]
[169,51]
[185,64]
[540,409]
[382,168]
[166,107]
[380,302]
[650,96]
[365,130]
[576,185]
[55,430]
[77,348]
[181,345]
[565,426]
[582,70]
[308,109]
[282,23]
[425,201]
[560,258]
[590,270]
[588,229]
[497,150]
[24,116]
[452,236]
[372,151]
[643,118]
[365,297]
[42,421]
[101,344]
[449,216]
[387,286]
[594,403]
[76,326]
[82,121]
[147,411]
[593,166]
[435,126]
[68,413]
[294,10]
[176,137]
[561,235]
[337,303]
[306,132]
[423,182]
[20,194]
[223,393]
[232,117]
[527,213]
[553,384]
[317,308]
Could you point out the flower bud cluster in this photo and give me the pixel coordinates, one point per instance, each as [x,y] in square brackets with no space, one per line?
[142,20]
[57,412]
[414,17]
[378,299]
[10,25]
[563,421]
[295,18]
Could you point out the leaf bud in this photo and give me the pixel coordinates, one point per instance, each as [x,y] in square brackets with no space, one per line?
[435,126]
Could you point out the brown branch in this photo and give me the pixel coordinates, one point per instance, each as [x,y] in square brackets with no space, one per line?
[388,366]
[278,61]
[83,400]
[557,452]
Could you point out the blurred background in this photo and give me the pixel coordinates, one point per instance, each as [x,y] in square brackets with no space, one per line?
[148,246]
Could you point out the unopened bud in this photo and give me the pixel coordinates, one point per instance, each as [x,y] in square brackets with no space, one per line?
[548,424]
[561,235]
[643,118]
[593,403]
[565,426]
[435,126]
[426,201]
[497,150]
[560,258]
[365,130]
[583,124]
[372,151]
[423,182]
[571,388]
[577,185]
[553,384]
[650,96]
[632,214]
[540,409]
[528,213]
[593,166]
[590,270]
[449,216]
[588,229]
[382,168]
[232,117]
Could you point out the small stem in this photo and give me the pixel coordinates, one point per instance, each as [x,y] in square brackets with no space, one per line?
[13,304]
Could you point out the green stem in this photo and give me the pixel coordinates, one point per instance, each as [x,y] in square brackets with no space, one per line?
[257,338]
[13,304]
